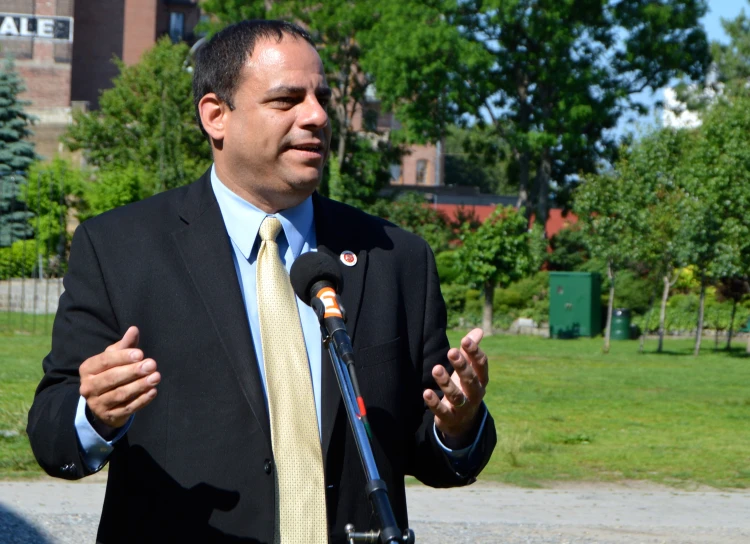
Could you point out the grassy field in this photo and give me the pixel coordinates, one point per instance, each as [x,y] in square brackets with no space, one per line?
[21,356]
[563,410]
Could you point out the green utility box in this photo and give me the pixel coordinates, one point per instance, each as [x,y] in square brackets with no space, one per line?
[620,324]
[574,304]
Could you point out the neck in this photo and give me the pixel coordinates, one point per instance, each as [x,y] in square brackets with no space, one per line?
[258,195]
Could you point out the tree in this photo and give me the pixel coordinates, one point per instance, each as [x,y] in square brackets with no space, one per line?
[551,77]
[16,155]
[55,196]
[411,212]
[495,254]
[569,249]
[607,208]
[476,157]
[146,119]
[717,227]
[653,168]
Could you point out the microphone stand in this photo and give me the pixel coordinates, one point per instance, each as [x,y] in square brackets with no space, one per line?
[375,488]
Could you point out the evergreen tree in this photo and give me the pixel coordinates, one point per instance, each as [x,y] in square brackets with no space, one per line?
[16,155]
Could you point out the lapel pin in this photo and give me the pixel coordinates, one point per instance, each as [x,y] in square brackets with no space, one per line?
[348,258]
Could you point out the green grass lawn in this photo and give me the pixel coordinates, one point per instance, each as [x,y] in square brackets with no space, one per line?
[563,410]
[21,356]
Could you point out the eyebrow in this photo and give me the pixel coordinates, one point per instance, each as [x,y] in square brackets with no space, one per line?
[320,92]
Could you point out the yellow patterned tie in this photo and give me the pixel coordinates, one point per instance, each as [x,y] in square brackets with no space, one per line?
[300,485]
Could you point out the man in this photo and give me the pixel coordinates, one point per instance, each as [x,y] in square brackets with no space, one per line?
[161,359]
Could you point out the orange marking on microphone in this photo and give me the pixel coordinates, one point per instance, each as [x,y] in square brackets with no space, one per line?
[331,304]
[361,404]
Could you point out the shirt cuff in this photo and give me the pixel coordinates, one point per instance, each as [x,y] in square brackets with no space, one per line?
[463,461]
[95,450]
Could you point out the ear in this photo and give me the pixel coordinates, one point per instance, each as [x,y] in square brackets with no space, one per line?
[212,111]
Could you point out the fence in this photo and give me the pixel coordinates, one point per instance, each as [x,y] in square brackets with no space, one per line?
[34,238]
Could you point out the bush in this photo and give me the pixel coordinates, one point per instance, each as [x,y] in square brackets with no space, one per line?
[447,266]
[18,260]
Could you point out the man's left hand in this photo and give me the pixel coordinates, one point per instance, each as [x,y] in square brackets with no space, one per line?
[463,391]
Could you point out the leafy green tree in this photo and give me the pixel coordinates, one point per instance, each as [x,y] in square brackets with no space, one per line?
[411,212]
[224,12]
[16,155]
[146,119]
[716,230]
[568,249]
[495,254]
[551,77]
[475,156]
[55,196]
[607,206]
[653,168]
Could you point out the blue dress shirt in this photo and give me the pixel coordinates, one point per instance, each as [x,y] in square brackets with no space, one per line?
[242,221]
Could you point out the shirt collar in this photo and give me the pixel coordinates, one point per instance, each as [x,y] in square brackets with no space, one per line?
[242,219]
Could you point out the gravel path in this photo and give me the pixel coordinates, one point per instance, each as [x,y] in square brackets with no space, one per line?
[55,512]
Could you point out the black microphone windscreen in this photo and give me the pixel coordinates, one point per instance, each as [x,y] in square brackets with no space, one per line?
[310,268]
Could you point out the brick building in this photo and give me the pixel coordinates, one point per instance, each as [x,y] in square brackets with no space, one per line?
[68,67]
[63,50]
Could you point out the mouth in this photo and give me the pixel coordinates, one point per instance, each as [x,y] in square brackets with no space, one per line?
[308,150]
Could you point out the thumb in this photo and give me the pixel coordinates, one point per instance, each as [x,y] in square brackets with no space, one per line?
[128,340]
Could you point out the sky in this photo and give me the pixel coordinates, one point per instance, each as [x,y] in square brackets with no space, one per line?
[717,10]
[727,9]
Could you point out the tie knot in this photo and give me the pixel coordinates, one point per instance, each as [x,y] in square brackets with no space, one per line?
[269,229]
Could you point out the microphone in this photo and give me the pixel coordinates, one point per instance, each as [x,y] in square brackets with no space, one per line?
[316,279]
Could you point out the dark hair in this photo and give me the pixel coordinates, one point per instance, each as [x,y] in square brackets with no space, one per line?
[218,63]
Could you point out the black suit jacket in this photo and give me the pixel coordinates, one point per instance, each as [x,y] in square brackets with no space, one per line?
[197,465]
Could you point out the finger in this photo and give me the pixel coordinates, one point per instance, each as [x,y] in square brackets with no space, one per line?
[128,340]
[122,396]
[112,378]
[451,391]
[109,359]
[464,377]
[436,406]
[475,356]
[117,417]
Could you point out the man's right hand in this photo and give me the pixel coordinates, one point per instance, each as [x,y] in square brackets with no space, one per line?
[118,382]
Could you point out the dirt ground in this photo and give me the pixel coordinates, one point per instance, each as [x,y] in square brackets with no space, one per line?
[55,512]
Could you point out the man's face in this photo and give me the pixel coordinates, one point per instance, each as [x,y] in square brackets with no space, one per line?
[277,138]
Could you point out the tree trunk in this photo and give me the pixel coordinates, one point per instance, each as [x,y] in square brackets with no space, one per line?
[610,305]
[343,132]
[524,165]
[663,313]
[645,325]
[543,174]
[731,325]
[701,307]
[489,293]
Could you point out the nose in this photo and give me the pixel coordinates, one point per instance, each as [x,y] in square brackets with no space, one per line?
[313,114]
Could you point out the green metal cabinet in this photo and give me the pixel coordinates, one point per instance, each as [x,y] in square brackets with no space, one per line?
[574,304]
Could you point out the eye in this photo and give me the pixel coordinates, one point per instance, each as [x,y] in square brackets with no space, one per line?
[285,101]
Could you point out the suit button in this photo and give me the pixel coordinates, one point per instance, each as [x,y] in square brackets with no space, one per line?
[268,466]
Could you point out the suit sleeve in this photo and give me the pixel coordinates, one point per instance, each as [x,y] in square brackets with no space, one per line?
[85,325]
[429,462]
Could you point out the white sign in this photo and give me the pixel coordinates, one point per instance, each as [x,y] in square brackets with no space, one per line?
[14,25]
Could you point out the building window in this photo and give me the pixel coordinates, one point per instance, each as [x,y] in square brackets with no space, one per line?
[421,171]
[176,26]
[396,174]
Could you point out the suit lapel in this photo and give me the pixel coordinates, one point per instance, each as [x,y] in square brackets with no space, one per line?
[207,253]
[333,238]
